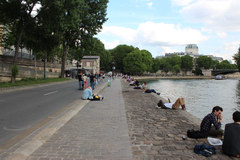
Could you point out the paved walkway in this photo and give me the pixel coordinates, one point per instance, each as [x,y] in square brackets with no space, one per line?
[98,131]
[124,126]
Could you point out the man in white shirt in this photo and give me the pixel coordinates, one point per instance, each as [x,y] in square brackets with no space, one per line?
[179,102]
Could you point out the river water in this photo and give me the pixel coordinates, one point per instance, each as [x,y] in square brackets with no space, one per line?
[202,95]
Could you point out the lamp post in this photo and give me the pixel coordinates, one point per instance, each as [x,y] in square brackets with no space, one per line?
[113,68]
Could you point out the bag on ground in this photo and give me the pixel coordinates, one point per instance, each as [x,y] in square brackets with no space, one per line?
[196,134]
[204,149]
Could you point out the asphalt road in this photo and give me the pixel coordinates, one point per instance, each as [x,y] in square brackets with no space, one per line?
[20,110]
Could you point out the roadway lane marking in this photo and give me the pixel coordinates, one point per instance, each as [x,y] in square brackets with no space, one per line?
[50,93]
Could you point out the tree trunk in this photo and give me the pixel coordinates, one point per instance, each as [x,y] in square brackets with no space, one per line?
[65,51]
[19,38]
[35,64]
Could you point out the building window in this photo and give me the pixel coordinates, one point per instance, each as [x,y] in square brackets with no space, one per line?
[88,64]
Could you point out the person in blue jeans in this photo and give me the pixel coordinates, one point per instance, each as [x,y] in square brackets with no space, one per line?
[92,81]
[80,80]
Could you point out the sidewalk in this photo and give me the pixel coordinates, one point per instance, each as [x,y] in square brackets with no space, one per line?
[98,131]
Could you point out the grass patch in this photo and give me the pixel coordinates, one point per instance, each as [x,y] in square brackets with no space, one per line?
[31,81]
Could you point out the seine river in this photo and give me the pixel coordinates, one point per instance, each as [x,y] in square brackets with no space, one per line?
[202,95]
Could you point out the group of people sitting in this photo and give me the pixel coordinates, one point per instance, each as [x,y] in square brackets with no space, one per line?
[211,126]
[211,123]
[144,86]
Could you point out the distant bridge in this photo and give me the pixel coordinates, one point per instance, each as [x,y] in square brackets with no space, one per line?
[223,71]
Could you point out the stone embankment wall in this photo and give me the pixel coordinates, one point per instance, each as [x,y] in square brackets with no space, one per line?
[27,69]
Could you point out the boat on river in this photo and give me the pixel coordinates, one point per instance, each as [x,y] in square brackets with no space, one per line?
[219,77]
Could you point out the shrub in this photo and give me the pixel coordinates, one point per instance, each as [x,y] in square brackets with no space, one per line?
[15,71]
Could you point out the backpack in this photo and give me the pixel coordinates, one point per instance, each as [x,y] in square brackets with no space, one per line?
[196,134]
[204,149]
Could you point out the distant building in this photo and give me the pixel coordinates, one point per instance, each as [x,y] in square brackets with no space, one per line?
[91,64]
[175,53]
[191,49]
[220,59]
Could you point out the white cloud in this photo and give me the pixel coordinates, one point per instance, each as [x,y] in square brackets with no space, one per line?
[220,15]
[153,34]
[125,34]
[228,50]
[167,34]
[149,4]
[110,45]
[222,34]
[168,50]
[181,2]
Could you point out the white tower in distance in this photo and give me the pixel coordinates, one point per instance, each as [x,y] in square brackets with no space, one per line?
[191,49]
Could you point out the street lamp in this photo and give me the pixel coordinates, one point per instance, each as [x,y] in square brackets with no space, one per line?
[113,68]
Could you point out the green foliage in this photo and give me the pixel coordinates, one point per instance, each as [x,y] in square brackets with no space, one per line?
[14,70]
[31,81]
[176,69]
[187,62]
[198,71]
[138,62]
[119,53]
[156,65]
[174,60]
[226,65]
[205,62]
[236,58]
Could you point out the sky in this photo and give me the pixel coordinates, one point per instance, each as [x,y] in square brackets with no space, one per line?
[164,26]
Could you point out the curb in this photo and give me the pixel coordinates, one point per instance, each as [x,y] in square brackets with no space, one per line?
[31,143]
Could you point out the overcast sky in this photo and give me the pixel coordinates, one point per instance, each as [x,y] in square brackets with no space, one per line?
[161,26]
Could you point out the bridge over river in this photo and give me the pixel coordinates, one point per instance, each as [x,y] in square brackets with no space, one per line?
[223,71]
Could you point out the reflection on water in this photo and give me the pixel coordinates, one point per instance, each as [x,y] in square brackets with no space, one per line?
[202,95]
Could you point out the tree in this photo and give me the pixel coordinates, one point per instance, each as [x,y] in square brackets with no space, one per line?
[226,65]
[176,69]
[174,60]
[236,58]
[187,62]
[205,62]
[16,16]
[137,62]
[147,59]
[156,65]
[119,53]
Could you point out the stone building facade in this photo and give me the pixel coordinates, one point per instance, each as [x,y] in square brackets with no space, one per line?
[91,64]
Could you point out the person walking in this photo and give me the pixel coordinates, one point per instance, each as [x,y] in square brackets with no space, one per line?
[85,81]
[92,81]
[80,80]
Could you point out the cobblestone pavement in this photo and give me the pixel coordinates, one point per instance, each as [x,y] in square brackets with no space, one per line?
[156,134]
[98,131]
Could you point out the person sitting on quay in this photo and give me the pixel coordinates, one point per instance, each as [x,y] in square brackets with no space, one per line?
[231,143]
[211,123]
[147,90]
[88,95]
[179,102]
[137,85]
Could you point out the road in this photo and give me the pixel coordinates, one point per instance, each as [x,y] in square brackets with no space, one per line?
[20,110]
